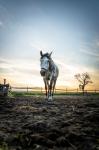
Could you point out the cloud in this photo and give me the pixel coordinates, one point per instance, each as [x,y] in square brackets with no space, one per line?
[20,72]
[19,67]
[67,72]
[1,23]
[67,68]
[90,52]
[91,49]
[4,70]
[26,72]
[3,61]
[35,46]
[40,45]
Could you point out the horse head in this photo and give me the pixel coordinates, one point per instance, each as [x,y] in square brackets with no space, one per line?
[44,62]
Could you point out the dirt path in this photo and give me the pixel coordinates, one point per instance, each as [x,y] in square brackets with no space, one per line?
[31,123]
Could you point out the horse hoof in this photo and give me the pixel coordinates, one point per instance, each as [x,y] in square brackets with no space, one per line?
[50,98]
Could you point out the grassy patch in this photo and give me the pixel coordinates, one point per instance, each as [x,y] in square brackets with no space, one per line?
[25,94]
[22,94]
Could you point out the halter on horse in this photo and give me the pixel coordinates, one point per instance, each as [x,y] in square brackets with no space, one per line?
[49,72]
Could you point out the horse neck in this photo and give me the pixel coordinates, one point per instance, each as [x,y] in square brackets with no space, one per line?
[51,65]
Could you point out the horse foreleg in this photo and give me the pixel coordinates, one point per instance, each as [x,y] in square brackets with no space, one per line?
[46,88]
[54,83]
[50,91]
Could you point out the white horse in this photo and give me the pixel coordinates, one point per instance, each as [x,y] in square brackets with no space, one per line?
[49,71]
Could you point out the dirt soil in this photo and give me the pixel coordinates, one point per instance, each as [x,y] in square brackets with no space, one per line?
[32,123]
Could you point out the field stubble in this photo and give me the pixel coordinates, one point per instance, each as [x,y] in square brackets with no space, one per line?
[32,123]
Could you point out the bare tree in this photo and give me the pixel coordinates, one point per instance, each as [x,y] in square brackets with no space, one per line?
[83,79]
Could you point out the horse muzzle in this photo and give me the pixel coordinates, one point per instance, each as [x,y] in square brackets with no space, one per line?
[42,72]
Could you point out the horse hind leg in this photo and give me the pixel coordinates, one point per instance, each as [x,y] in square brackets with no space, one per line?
[54,83]
[46,91]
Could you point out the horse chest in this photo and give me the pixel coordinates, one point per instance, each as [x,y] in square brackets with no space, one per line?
[48,75]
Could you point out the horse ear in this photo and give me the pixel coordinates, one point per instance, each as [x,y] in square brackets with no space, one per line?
[50,54]
[41,53]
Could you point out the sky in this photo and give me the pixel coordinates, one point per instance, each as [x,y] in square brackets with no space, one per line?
[68,28]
